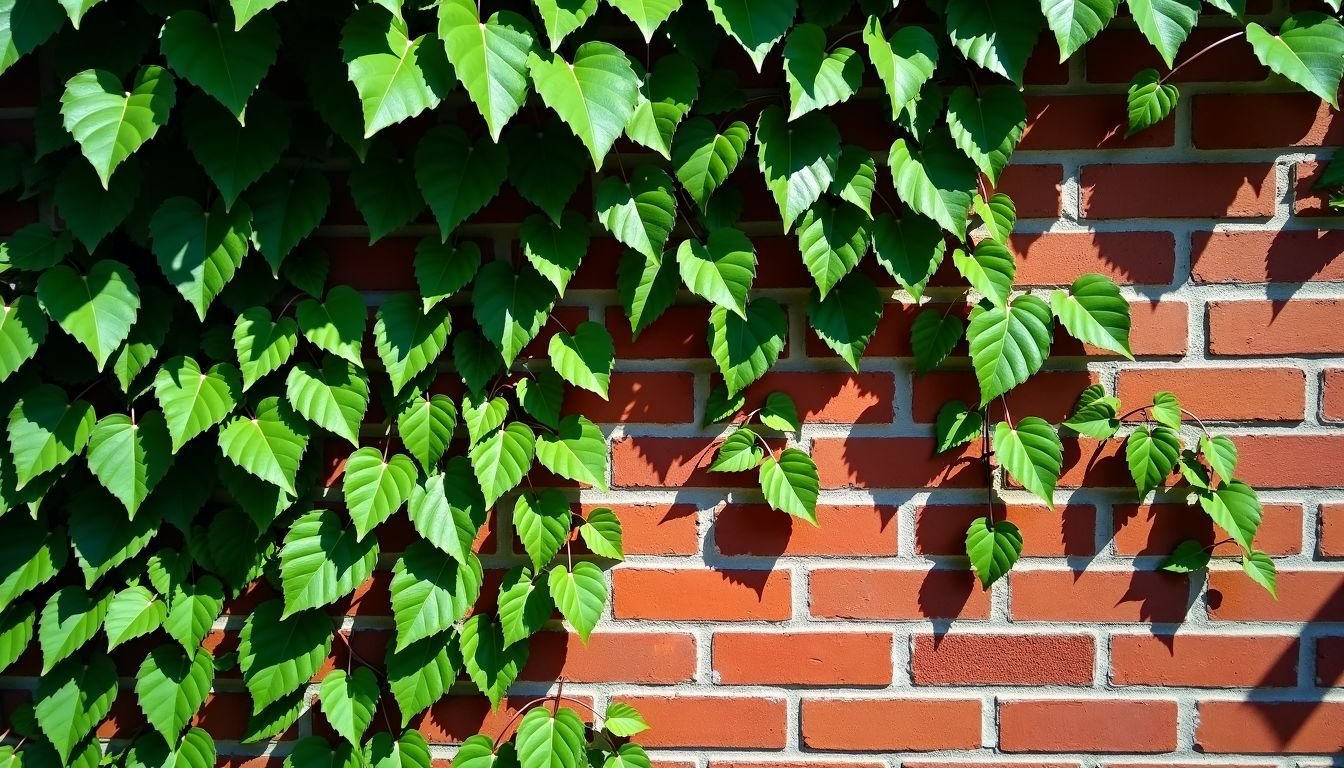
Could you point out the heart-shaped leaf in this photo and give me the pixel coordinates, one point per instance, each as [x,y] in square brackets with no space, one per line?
[409,340]
[904,62]
[501,460]
[595,94]
[755,24]
[957,425]
[584,359]
[1032,454]
[489,57]
[336,326]
[269,445]
[130,457]
[97,308]
[46,430]
[334,397]
[397,77]
[555,249]
[577,450]
[993,549]
[442,270]
[847,318]
[1151,453]
[704,157]
[790,484]
[263,345]
[746,348]
[23,328]
[199,252]
[511,306]
[720,270]
[171,685]
[1009,343]
[375,487]
[109,122]
[640,213]
[580,592]
[194,400]
[798,159]
[348,701]
[227,64]
[458,176]
[818,77]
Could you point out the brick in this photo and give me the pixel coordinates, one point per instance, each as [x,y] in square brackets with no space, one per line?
[865,462]
[611,657]
[850,530]
[975,659]
[711,721]
[1308,201]
[388,265]
[802,658]
[456,718]
[1332,394]
[1156,529]
[1263,727]
[1287,256]
[891,339]
[656,529]
[1291,461]
[1139,726]
[1330,661]
[1332,530]
[1086,122]
[1033,188]
[1092,463]
[1222,394]
[1039,396]
[641,398]
[896,594]
[1128,258]
[681,332]
[1204,661]
[1300,120]
[1066,530]
[1099,596]
[830,397]
[1116,54]
[1292,327]
[701,595]
[1174,191]
[670,462]
[898,725]
[1303,596]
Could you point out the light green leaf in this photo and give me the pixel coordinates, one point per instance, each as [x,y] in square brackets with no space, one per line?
[1075,22]
[555,249]
[1093,311]
[336,326]
[561,17]
[665,96]
[263,345]
[1236,509]
[130,457]
[628,756]
[477,752]
[1309,50]
[580,592]
[1032,454]
[910,248]
[790,484]
[334,397]
[245,10]
[408,340]
[410,750]
[70,619]
[721,270]
[576,451]
[97,308]
[623,720]
[511,307]
[447,509]
[443,269]
[997,215]
[547,740]
[986,125]
[73,698]
[524,605]
[1149,101]
[489,57]
[1188,557]
[278,655]
[46,430]
[847,319]
[314,751]
[904,62]
[30,556]
[640,213]
[420,675]
[647,287]
[990,270]
[109,122]
[501,460]
[936,180]
[226,64]
[397,77]
[957,425]
[1151,454]
[755,24]
[1008,344]
[322,561]
[1221,453]
[595,95]
[375,487]
[543,397]
[490,663]
[602,533]
[458,176]
[993,549]
[584,359]
[235,155]
[780,414]
[269,445]
[818,76]
[739,452]
[704,157]
[1095,415]
[1166,410]
[17,623]
[199,252]
[425,425]
[1260,568]
[287,205]
[145,340]
[648,15]
[194,400]
[171,686]
[1166,23]
[348,701]
[798,158]
[832,239]
[483,416]
[194,608]
[856,178]
[25,25]
[998,35]
[746,348]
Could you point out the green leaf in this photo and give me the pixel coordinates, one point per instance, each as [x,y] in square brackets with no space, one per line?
[1188,557]
[704,157]
[739,452]
[442,270]
[904,62]
[665,97]
[489,58]
[790,484]
[269,445]
[1075,22]
[322,561]
[580,592]
[524,606]
[130,457]
[555,249]
[511,307]
[1149,100]
[936,180]
[623,720]
[1236,509]
[171,686]
[602,533]
[1008,344]
[262,345]
[70,618]
[1151,453]
[547,740]
[25,25]
[334,397]
[957,425]
[1032,454]
[16,633]
[194,608]
[97,309]
[1166,23]
[348,701]
[90,211]
[628,756]
[640,213]
[425,425]
[235,155]
[478,752]
[245,10]
[998,35]
[546,164]
[990,270]
[226,64]
[1221,453]
[408,340]
[287,205]
[145,340]
[993,549]
[847,319]
[563,16]
[30,556]
[986,125]
[409,751]
[458,176]
[1260,568]
[336,326]
[1093,311]
[721,270]
[832,239]
[856,178]
[745,349]
[501,460]
[397,77]
[483,416]
[71,699]
[46,430]
[756,25]
[491,664]
[780,414]
[476,361]
[109,122]
[647,287]
[278,655]
[584,359]
[384,190]
[194,400]
[576,451]
[375,487]
[315,752]
[910,248]
[798,158]
[421,674]
[595,94]
[1166,410]
[199,252]
[35,248]
[1309,50]
[818,77]
[1095,415]
[648,15]
[447,509]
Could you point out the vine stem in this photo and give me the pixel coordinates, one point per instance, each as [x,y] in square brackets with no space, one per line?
[1201,52]
[557,697]
[986,456]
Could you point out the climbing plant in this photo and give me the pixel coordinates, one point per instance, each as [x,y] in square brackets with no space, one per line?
[175,360]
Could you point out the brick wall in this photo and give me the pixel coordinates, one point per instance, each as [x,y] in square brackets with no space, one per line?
[749,640]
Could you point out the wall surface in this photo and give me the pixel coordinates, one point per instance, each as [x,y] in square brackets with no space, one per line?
[746,639]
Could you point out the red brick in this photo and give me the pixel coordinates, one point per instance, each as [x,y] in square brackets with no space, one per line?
[1287,256]
[1066,530]
[611,657]
[898,725]
[1295,326]
[388,265]
[1116,54]
[1159,329]
[1174,191]
[671,462]
[656,529]
[867,462]
[1332,395]
[1204,661]
[1300,120]
[1222,394]
[1038,396]
[1033,188]
[802,658]
[1263,727]
[1330,661]
[1332,530]
[1308,201]
[640,398]
[1128,258]
[1087,122]
[1291,461]
[455,718]
[757,529]
[1099,596]
[830,397]
[711,721]
[1303,596]
[679,333]
[701,595]
[1092,463]
[1156,529]
[975,659]
[896,594]
[1141,726]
